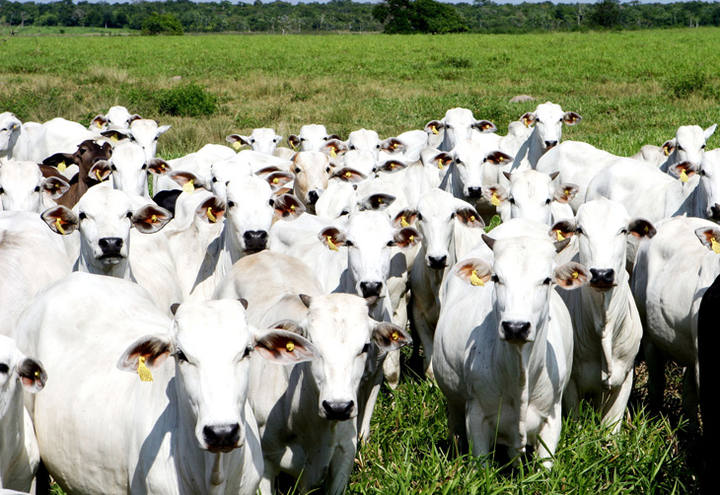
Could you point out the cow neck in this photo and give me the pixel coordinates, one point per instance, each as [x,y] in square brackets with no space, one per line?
[12,438]
[118,270]
[685,198]
[535,149]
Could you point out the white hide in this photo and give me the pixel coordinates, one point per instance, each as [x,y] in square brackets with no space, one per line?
[262,140]
[23,187]
[10,128]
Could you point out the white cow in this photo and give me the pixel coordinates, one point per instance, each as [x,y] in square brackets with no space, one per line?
[503,347]
[312,137]
[305,413]
[262,140]
[39,141]
[190,430]
[450,228]
[23,187]
[117,117]
[10,128]
[19,454]
[605,319]
[130,168]
[312,170]
[458,125]
[198,163]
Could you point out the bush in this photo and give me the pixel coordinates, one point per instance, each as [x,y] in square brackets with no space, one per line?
[684,84]
[190,100]
[162,24]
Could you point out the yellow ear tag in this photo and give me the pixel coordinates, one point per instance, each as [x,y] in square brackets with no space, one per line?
[153,219]
[275,180]
[292,207]
[189,186]
[567,192]
[114,138]
[37,373]
[526,121]
[332,152]
[434,129]
[715,246]
[330,243]
[395,336]
[683,176]
[412,238]
[58,226]
[559,235]
[380,201]
[475,280]
[143,371]
[292,145]
[290,346]
[237,145]
[472,218]
[666,150]
[61,167]
[97,174]
[575,275]
[440,164]
[348,174]
[494,200]
[98,124]
[403,222]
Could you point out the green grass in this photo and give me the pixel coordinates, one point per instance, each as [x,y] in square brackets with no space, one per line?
[632,88]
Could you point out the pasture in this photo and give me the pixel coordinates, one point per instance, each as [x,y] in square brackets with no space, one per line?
[632,88]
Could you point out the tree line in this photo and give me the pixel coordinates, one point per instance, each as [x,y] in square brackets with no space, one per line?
[391,16]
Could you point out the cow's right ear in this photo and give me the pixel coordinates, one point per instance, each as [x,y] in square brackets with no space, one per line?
[562,230]
[334,148]
[55,186]
[378,201]
[405,218]
[528,119]
[99,122]
[283,347]
[495,194]
[60,161]
[100,171]
[61,220]
[188,180]
[434,127]
[347,174]
[474,271]
[32,375]
[287,206]
[115,135]
[211,210]
[709,237]
[150,218]
[294,141]
[571,275]
[668,147]
[237,141]
[158,166]
[153,349]
[332,238]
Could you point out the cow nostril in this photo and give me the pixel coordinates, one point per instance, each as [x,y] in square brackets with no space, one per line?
[370,289]
[255,240]
[602,277]
[110,245]
[313,196]
[437,262]
[222,437]
[550,144]
[338,410]
[474,192]
[516,331]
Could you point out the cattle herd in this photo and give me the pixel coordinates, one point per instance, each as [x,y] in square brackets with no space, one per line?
[239,323]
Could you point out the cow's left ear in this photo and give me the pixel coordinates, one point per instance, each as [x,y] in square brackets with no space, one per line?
[497,158]
[237,141]
[640,227]
[158,166]
[278,179]
[61,160]
[571,275]
[682,170]
[564,229]
[377,201]
[188,180]
[528,119]
[565,192]
[389,337]
[484,126]
[32,375]
[334,147]
[405,218]
[474,271]
[709,131]
[162,130]
[99,121]
[153,349]
[283,347]
[406,237]
[495,194]
[709,237]
[100,171]
[393,145]
[211,210]
[571,118]
[150,218]
[391,166]
[287,206]
[55,186]
[668,146]
[116,135]
[469,217]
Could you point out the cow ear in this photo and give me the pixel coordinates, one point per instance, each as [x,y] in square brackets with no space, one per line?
[485,126]
[347,174]
[158,166]
[442,160]
[115,135]
[32,375]
[294,141]
[288,207]
[99,121]
[682,171]
[60,219]
[289,326]
[391,166]
[100,171]
[153,350]
[377,201]
[405,218]
[434,127]
[135,117]
[55,186]
[406,237]
[284,347]
[332,238]
[174,307]
[565,192]
[150,218]
[564,229]
[474,271]
[334,148]
[278,179]
[528,119]
[495,194]
[162,130]
[571,275]
[668,147]
[709,237]
[709,131]
[389,337]
[60,160]
[571,118]
[211,210]
[469,217]
[393,145]
[498,158]
[237,141]
[265,171]
[188,180]
[640,227]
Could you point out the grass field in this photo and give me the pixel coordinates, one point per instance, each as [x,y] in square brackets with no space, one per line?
[631,88]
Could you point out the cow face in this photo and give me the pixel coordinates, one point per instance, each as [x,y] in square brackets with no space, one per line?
[689,145]
[129,169]
[312,171]
[117,117]
[262,140]
[530,196]
[145,133]
[9,131]
[710,184]
[17,372]
[312,137]
[23,188]
[548,119]
[459,125]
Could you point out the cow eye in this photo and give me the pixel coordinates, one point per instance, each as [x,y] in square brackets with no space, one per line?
[144,166]
[365,348]
[512,201]
[2,191]
[391,243]
[231,204]
[702,172]
[495,279]
[327,170]
[377,146]
[113,168]
[180,356]
[82,215]
[297,170]
[680,148]
[344,212]
[548,201]
[214,179]
[252,140]
[702,147]
[624,231]
[271,202]
[4,368]
[578,231]
[547,281]
[37,189]
[247,352]
[452,215]
[349,243]
[129,214]
[419,216]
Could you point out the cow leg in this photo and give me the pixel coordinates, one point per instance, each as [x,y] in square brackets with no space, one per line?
[571,399]
[656,374]
[615,403]
[367,412]
[391,368]
[478,430]
[550,435]
[690,397]
[456,427]
[426,334]
[341,466]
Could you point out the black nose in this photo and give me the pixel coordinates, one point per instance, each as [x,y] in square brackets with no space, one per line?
[222,437]
[437,262]
[313,196]
[255,240]
[474,192]
[715,212]
[550,144]
[602,277]
[370,289]
[516,331]
[110,246]
[338,410]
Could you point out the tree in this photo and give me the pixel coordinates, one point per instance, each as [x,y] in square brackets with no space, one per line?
[418,16]
[161,24]
[606,13]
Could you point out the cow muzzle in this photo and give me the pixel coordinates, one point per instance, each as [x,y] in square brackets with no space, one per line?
[338,410]
[715,212]
[371,290]
[111,248]
[516,332]
[221,438]
[437,262]
[602,279]
[255,240]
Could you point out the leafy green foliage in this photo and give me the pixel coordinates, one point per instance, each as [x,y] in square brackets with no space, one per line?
[683,84]
[161,24]
[418,16]
[190,100]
